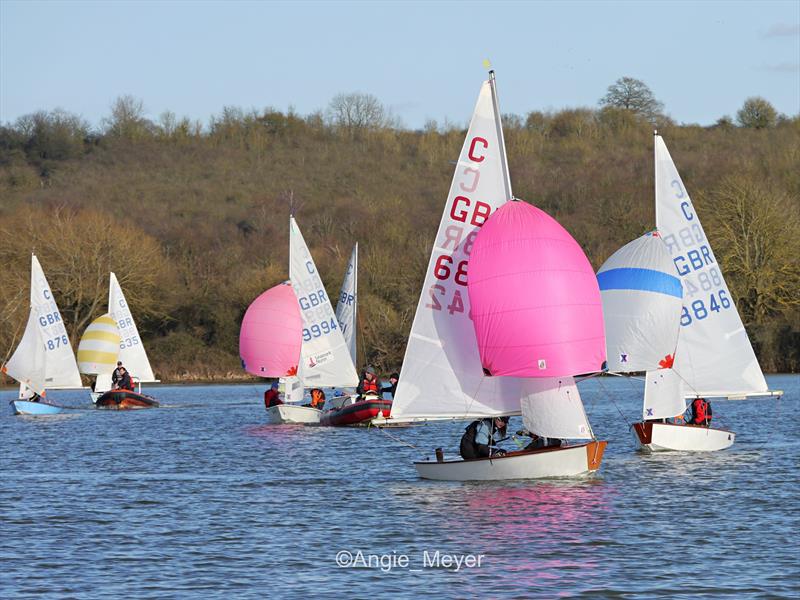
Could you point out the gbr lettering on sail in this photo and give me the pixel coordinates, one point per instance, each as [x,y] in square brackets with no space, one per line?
[463,216]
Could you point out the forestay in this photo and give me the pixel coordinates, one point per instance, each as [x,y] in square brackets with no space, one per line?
[325,359]
[642,300]
[271,334]
[663,395]
[535,299]
[131,353]
[714,355]
[347,305]
[441,375]
[553,408]
[44,358]
[99,346]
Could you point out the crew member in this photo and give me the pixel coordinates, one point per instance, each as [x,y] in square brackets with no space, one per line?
[392,387]
[701,412]
[368,384]
[271,396]
[480,438]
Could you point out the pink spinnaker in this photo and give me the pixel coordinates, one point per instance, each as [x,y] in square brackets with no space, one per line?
[535,300]
[272,333]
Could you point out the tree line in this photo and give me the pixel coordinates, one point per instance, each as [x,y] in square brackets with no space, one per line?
[193,218]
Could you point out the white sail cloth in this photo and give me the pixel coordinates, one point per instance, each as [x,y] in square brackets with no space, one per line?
[642,300]
[553,408]
[324,358]
[663,395]
[347,305]
[441,375]
[44,358]
[714,356]
[131,349]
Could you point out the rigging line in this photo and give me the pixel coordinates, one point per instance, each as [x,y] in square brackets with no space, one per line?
[396,439]
[614,402]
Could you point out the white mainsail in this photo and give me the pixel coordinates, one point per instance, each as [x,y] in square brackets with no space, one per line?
[131,353]
[325,358]
[441,376]
[44,358]
[553,409]
[714,356]
[347,305]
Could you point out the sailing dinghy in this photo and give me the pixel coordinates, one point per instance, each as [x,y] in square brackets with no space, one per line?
[131,353]
[324,355]
[713,356]
[43,359]
[453,370]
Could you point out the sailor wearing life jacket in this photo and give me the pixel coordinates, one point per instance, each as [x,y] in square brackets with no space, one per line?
[701,412]
[368,384]
[481,436]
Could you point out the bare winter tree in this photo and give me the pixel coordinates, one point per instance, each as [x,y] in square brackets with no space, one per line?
[356,112]
[127,118]
[634,95]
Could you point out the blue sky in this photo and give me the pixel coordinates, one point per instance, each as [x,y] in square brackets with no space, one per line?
[422,60]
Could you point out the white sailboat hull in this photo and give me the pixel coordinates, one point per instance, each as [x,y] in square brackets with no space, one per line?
[567,461]
[290,413]
[655,437]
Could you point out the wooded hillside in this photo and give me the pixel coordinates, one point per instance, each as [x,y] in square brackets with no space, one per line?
[194,220]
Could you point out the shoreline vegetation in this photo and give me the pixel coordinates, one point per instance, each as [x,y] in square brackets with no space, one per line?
[193,218]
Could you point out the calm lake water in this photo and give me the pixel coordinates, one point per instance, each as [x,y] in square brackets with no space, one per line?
[201,498]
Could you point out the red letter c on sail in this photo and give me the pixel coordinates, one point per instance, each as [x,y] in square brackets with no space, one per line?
[472,145]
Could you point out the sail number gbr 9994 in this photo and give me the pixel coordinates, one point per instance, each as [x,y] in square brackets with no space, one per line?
[463,217]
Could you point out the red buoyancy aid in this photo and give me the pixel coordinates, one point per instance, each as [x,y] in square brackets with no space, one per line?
[699,411]
[370,387]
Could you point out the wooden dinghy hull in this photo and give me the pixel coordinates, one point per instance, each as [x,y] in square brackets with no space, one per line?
[656,437]
[293,414]
[565,461]
[357,413]
[125,400]
[26,407]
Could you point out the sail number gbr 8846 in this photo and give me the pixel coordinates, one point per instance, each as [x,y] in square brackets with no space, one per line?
[705,292]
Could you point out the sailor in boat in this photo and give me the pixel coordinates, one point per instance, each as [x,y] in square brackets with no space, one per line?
[116,376]
[701,413]
[271,396]
[317,399]
[368,386]
[124,381]
[392,387]
[481,437]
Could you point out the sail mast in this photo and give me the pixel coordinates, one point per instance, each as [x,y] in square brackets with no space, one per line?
[501,139]
[655,179]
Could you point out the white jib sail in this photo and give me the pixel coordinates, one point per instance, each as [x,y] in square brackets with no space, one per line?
[131,348]
[442,375]
[553,409]
[663,395]
[714,356]
[44,357]
[325,358]
[347,305]
[642,301]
